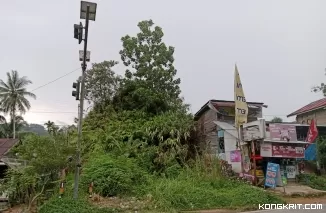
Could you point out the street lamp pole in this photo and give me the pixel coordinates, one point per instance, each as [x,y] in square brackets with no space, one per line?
[82,92]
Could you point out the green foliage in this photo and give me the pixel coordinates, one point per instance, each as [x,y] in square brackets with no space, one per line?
[13,93]
[186,193]
[51,127]
[113,175]
[321,150]
[45,153]
[314,181]
[68,205]
[161,139]
[41,158]
[6,128]
[13,96]
[101,82]
[276,120]
[151,85]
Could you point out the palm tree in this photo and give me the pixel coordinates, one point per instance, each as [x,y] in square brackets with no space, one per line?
[2,118]
[6,129]
[13,96]
[51,127]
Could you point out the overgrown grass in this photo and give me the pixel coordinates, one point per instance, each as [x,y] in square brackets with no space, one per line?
[69,205]
[199,186]
[202,187]
[314,181]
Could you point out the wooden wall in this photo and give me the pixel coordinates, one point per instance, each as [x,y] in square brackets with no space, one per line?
[318,115]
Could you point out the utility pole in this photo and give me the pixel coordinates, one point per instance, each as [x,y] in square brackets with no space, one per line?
[87,12]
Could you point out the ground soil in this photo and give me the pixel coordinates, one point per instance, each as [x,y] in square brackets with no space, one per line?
[134,204]
[306,200]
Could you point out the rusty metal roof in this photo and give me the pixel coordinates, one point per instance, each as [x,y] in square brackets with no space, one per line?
[6,144]
[321,103]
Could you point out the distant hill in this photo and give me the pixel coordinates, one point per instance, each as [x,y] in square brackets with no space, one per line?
[35,128]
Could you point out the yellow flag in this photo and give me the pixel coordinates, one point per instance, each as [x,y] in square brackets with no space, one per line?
[241,107]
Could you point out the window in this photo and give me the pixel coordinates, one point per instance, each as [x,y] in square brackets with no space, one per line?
[221,147]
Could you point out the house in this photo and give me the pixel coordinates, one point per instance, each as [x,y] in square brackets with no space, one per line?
[315,110]
[5,145]
[216,131]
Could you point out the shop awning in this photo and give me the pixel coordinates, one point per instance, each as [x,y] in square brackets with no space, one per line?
[228,128]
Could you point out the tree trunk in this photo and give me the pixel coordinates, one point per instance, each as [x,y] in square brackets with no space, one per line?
[14,123]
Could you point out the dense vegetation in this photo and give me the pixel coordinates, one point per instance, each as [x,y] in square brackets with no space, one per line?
[138,141]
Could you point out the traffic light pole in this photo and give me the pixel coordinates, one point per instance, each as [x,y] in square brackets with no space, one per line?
[81,109]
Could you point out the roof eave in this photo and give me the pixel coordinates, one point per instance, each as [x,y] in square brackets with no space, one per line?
[300,113]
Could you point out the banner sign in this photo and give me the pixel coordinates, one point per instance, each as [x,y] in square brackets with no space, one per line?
[282,132]
[287,151]
[235,156]
[273,175]
[312,132]
[241,107]
[310,152]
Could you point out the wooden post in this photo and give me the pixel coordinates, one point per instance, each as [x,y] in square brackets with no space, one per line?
[242,158]
[254,159]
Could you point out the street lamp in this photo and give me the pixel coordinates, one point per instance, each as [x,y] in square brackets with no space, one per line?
[87,12]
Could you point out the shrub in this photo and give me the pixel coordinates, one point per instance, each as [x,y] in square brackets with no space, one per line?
[314,181]
[113,175]
[69,205]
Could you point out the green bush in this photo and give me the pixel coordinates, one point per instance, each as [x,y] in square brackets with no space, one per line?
[314,181]
[69,205]
[113,175]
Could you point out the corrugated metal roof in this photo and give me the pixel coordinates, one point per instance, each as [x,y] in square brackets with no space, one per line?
[223,103]
[310,107]
[6,144]
[228,128]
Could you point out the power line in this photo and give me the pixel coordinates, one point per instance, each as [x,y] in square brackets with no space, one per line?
[55,79]
[63,112]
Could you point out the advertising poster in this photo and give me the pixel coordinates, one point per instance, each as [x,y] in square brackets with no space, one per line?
[273,175]
[282,132]
[235,156]
[285,151]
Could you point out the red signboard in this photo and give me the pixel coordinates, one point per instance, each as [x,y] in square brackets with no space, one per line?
[287,151]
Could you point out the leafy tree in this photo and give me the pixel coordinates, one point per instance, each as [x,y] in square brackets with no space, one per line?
[320,88]
[151,85]
[101,82]
[13,96]
[277,120]
[45,157]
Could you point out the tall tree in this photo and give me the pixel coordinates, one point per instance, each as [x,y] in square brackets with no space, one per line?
[13,96]
[277,120]
[150,81]
[101,82]
[51,127]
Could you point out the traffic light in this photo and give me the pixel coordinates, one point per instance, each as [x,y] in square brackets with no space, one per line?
[76,85]
[78,32]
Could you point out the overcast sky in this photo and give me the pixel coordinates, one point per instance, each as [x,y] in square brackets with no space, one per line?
[279,47]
